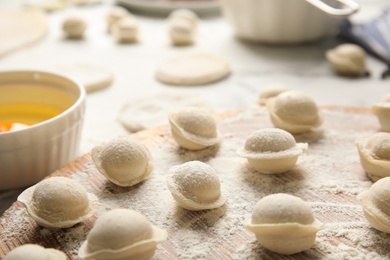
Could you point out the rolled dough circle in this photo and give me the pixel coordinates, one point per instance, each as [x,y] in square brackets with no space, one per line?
[192,69]
[150,111]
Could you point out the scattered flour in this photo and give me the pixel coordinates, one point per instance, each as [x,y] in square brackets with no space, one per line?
[328,177]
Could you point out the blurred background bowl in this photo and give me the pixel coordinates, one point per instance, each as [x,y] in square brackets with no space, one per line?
[286,21]
[54,105]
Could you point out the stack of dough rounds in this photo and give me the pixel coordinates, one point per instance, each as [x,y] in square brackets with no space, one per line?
[123,161]
[58,202]
[35,252]
[182,25]
[375,155]
[195,186]
[272,150]
[294,112]
[192,69]
[382,111]
[74,27]
[284,224]
[376,204]
[269,92]
[348,60]
[122,234]
[114,15]
[193,129]
[125,30]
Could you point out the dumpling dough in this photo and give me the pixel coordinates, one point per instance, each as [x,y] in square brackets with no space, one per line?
[182,25]
[271,91]
[35,252]
[192,69]
[376,204]
[193,129]
[284,224]
[348,60]
[74,27]
[375,155]
[58,202]
[382,111]
[272,150]
[123,161]
[122,234]
[93,77]
[153,110]
[294,112]
[195,186]
[125,30]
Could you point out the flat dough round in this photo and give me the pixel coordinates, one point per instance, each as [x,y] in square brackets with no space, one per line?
[92,76]
[192,69]
[150,111]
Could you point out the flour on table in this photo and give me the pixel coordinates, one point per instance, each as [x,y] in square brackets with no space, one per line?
[153,110]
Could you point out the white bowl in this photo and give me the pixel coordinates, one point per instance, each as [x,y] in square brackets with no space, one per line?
[286,21]
[30,154]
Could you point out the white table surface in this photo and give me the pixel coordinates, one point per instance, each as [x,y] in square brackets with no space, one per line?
[254,67]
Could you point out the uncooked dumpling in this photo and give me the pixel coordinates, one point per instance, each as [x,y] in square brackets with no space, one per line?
[271,150]
[376,204]
[182,25]
[294,112]
[192,69]
[115,14]
[122,234]
[193,128]
[35,252]
[348,59]
[123,161]
[125,30]
[271,91]
[74,27]
[195,186]
[382,111]
[375,155]
[284,224]
[58,202]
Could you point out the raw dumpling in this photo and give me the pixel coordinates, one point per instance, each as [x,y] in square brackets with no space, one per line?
[114,15]
[271,91]
[122,234]
[58,202]
[294,112]
[382,111]
[74,27]
[272,150]
[375,155]
[348,60]
[125,30]
[376,204]
[182,25]
[35,252]
[193,129]
[195,186]
[284,224]
[123,161]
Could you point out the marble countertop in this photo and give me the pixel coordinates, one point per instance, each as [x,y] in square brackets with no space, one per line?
[254,66]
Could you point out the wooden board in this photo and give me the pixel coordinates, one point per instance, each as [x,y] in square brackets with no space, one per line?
[20,28]
[328,176]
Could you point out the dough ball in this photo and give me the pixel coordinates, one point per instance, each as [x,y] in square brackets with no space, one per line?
[74,27]
[114,15]
[125,30]
[186,14]
[192,69]
[34,252]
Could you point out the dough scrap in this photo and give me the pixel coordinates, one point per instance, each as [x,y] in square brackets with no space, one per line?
[192,69]
[93,77]
[283,224]
[152,110]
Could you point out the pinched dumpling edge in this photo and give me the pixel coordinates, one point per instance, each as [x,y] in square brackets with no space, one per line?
[291,127]
[189,140]
[374,168]
[95,154]
[26,199]
[187,203]
[148,246]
